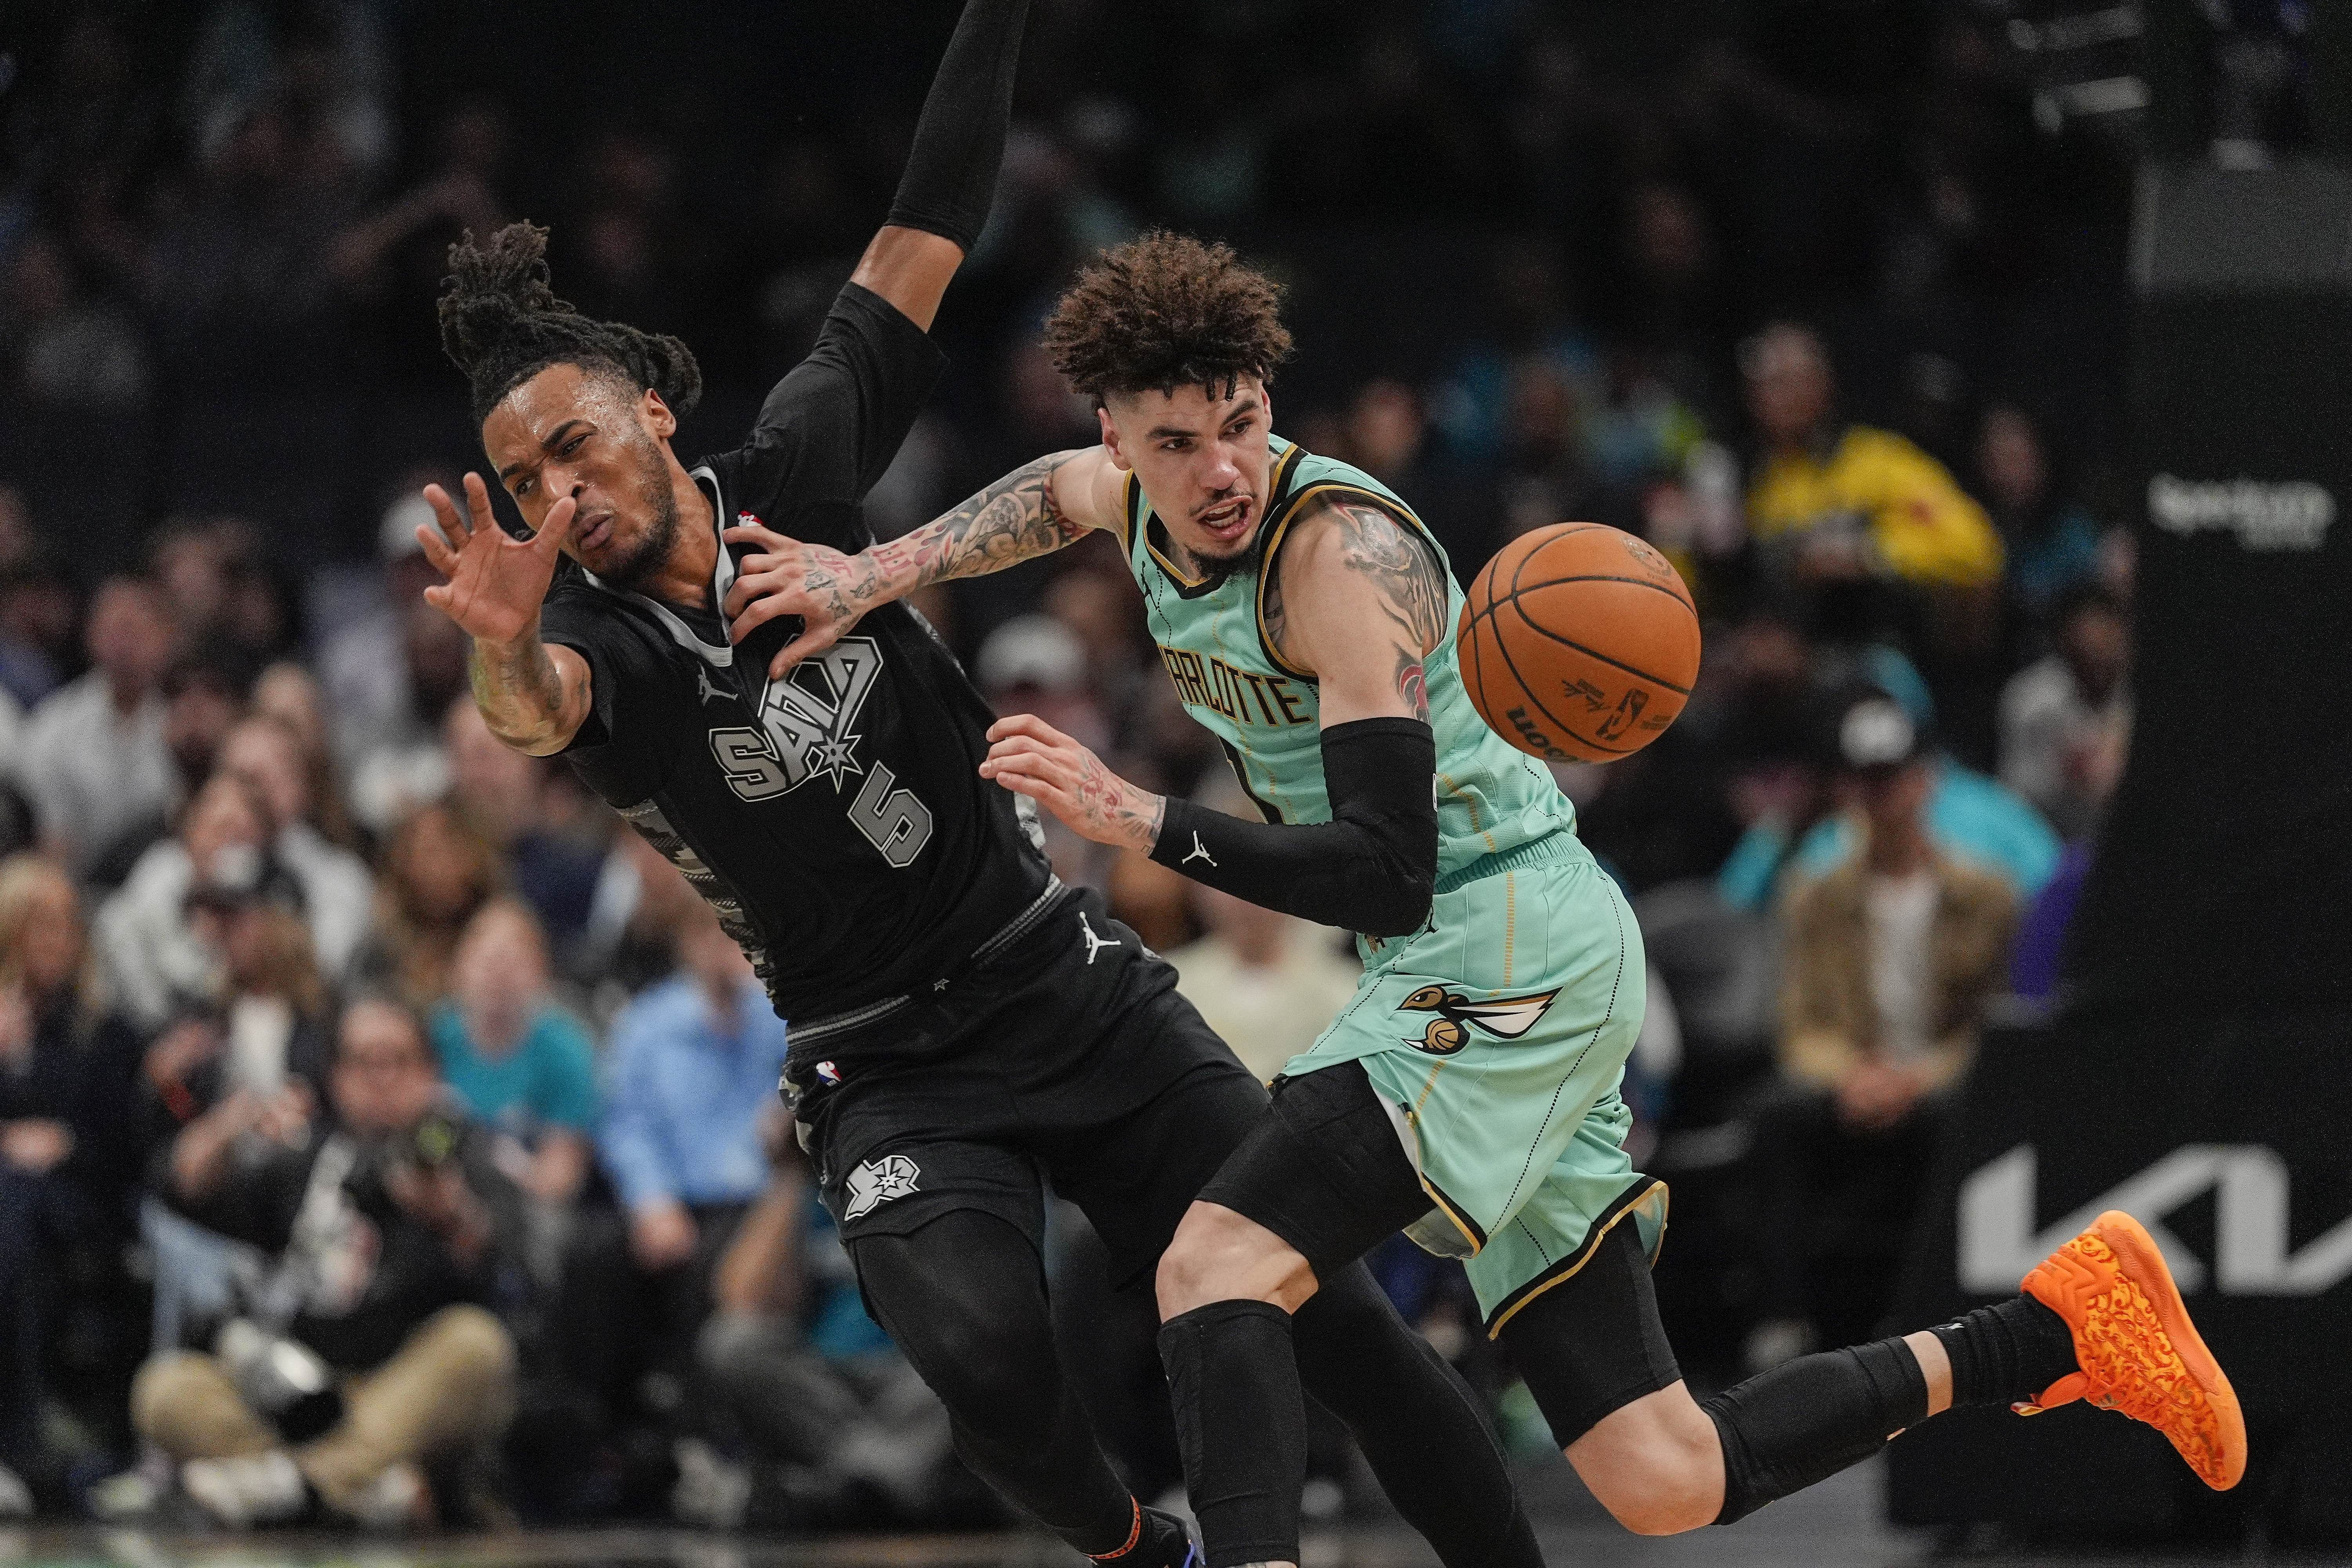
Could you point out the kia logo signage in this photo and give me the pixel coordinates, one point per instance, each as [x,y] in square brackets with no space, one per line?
[2265,515]
[2000,1243]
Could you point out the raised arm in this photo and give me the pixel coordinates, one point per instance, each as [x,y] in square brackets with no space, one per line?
[1035,510]
[950,176]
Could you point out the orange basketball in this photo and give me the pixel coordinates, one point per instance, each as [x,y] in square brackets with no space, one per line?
[1579,642]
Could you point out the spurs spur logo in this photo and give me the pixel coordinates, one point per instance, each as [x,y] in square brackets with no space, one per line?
[877,1182]
[1504,1017]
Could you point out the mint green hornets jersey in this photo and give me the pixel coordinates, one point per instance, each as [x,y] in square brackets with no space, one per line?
[1492,798]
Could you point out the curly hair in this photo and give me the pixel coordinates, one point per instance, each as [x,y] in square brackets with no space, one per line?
[502,324]
[1165,311]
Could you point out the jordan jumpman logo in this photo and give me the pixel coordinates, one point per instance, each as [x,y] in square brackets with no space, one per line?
[1094,944]
[1199,852]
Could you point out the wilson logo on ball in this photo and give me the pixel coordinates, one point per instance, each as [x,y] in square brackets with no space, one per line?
[1579,642]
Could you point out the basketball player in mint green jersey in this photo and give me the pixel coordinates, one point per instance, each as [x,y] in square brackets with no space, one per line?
[1468,1094]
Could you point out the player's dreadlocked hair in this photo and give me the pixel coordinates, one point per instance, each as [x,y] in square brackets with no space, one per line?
[1166,312]
[502,324]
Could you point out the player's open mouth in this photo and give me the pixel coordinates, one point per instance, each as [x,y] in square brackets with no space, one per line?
[1227,521]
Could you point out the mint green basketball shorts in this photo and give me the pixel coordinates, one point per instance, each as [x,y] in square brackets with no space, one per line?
[1498,1035]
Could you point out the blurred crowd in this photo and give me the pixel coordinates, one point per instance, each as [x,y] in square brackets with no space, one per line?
[386,1135]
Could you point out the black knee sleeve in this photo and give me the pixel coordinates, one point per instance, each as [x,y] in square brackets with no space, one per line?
[1241,1422]
[1417,1422]
[1804,1421]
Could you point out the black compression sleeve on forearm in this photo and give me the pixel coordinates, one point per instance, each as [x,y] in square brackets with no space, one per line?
[1370,869]
[951,176]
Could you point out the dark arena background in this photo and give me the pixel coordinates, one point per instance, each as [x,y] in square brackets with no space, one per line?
[1785,287]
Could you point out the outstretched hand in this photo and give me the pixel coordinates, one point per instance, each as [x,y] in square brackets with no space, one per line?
[1031,757]
[495,582]
[828,590]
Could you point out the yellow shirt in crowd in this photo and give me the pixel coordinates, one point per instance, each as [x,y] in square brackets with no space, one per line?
[1921,526]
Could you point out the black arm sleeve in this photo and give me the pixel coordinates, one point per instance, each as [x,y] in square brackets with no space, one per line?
[951,176]
[833,425]
[1371,868]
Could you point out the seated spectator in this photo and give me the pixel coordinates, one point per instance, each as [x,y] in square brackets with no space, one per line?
[1890,961]
[204,698]
[290,694]
[1268,982]
[338,894]
[437,874]
[38,608]
[1832,503]
[516,1061]
[65,1166]
[2050,544]
[1969,816]
[386,1232]
[792,1368]
[2056,715]
[508,797]
[2036,962]
[158,956]
[695,1064]
[94,760]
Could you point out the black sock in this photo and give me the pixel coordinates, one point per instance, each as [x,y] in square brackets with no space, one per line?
[1155,1540]
[2007,1352]
[1241,1423]
[1807,1419]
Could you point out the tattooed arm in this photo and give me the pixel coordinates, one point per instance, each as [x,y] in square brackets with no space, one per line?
[1358,602]
[1034,510]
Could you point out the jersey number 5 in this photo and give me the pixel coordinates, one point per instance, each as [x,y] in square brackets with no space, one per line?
[893,820]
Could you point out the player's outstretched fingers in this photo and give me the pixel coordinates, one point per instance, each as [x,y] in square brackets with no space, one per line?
[477,502]
[1024,724]
[451,531]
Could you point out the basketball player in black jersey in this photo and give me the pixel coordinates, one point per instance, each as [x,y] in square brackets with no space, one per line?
[964,1027]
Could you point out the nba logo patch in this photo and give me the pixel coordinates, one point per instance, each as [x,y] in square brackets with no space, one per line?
[827,1072]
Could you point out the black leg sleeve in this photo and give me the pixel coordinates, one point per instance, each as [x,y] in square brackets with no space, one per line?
[1417,1422]
[1241,1423]
[1807,1419]
[964,1297]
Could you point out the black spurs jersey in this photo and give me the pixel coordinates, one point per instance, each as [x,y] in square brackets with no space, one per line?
[836,818]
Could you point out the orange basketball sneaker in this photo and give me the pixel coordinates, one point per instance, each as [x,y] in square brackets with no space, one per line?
[2137,1350]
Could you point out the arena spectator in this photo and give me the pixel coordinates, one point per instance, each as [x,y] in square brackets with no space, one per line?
[159,952]
[694,1068]
[67,1159]
[290,694]
[438,873]
[1266,983]
[95,762]
[517,1062]
[1891,960]
[2057,714]
[1840,503]
[695,1063]
[386,1232]
[2050,544]
[338,894]
[38,609]
[509,798]
[797,1374]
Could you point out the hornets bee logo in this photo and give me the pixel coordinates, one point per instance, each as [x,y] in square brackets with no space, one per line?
[1504,1017]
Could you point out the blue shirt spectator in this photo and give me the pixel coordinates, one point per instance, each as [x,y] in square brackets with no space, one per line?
[517,1062]
[694,1068]
[1969,816]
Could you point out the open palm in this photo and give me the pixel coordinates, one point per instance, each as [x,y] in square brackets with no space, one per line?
[494,582]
